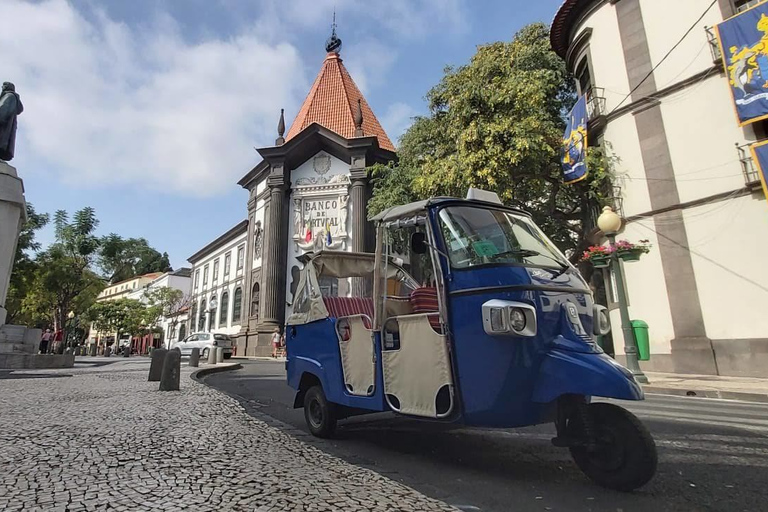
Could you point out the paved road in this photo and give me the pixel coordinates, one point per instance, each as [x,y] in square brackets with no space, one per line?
[713,454]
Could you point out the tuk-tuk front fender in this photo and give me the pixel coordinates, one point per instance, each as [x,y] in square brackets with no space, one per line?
[590,374]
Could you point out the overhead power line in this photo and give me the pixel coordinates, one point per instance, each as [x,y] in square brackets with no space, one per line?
[665,57]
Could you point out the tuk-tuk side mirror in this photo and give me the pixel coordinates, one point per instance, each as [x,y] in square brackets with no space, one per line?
[419,243]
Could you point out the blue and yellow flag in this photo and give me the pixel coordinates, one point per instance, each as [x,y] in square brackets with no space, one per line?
[575,143]
[743,43]
[760,158]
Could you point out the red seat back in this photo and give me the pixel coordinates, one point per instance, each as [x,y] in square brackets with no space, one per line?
[348,306]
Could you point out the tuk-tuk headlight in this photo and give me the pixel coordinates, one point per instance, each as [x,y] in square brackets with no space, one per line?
[517,319]
[601,320]
[508,318]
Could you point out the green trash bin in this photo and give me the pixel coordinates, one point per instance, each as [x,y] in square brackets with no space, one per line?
[640,329]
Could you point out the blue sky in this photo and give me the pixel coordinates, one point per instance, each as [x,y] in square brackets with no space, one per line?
[149,111]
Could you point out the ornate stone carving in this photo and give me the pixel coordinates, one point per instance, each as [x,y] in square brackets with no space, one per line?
[258,239]
[321,164]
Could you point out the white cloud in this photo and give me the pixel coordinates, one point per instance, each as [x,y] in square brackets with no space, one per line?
[397,119]
[109,104]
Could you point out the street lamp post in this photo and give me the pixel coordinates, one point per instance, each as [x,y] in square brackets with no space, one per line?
[610,223]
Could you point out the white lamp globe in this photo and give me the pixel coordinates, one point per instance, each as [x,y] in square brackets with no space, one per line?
[609,222]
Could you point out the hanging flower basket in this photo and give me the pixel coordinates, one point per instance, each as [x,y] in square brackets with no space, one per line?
[630,252]
[600,261]
[598,255]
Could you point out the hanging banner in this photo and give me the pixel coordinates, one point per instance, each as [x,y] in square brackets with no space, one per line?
[575,143]
[743,43]
[760,159]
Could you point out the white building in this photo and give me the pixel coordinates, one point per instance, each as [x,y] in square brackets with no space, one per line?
[175,327]
[687,181]
[218,279]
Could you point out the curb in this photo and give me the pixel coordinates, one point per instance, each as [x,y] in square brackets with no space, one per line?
[711,393]
[202,372]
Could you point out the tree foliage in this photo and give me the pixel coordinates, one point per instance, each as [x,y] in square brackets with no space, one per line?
[25,268]
[167,303]
[121,316]
[497,124]
[123,258]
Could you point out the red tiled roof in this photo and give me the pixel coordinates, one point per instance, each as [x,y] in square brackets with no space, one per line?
[332,101]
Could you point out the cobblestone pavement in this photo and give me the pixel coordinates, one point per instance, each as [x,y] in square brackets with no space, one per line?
[105,439]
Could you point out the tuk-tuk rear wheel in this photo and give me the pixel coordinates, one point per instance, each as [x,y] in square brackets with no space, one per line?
[623,456]
[319,413]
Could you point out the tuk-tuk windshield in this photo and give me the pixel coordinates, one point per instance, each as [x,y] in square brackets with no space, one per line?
[480,236]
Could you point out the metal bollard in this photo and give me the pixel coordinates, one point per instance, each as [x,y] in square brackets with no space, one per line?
[107,351]
[156,365]
[93,349]
[212,355]
[127,352]
[171,377]
[219,355]
[194,357]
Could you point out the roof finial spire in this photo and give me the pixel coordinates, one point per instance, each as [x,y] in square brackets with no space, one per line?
[333,44]
[280,129]
[359,119]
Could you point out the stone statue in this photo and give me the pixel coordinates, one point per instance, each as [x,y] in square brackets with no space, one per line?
[10,107]
[343,201]
[297,220]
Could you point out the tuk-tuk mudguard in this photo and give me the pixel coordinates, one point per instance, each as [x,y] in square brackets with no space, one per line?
[590,374]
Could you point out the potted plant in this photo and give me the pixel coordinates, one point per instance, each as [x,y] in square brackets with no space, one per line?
[598,255]
[628,251]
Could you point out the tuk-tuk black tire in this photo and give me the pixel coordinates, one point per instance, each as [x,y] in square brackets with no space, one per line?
[639,449]
[327,426]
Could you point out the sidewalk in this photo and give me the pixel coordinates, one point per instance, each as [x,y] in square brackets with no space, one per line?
[708,386]
[100,437]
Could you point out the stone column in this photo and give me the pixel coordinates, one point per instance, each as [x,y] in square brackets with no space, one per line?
[358,174]
[12,216]
[275,249]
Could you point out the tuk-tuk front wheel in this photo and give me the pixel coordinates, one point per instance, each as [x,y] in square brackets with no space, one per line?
[319,413]
[621,455]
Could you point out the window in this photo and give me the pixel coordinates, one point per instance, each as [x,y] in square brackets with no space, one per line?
[205,276]
[227,264]
[197,278]
[224,309]
[193,315]
[212,319]
[201,320]
[255,301]
[479,236]
[329,286]
[203,337]
[237,304]
[182,331]
[583,77]
[216,270]
[240,257]
[170,331]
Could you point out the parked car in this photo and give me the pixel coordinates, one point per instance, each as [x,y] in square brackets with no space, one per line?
[204,341]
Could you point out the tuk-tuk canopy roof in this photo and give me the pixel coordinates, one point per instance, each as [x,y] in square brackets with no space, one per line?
[342,264]
[411,209]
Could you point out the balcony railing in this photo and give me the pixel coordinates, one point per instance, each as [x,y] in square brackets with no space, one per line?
[751,174]
[595,102]
[714,46]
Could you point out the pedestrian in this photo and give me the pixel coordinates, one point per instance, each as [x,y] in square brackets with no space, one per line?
[58,340]
[275,342]
[44,341]
[282,345]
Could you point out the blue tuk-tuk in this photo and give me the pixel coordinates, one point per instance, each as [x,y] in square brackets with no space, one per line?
[466,314]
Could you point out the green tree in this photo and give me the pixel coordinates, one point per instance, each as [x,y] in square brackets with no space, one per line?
[122,258]
[167,303]
[497,124]
[121,316]
[64,280]
[24,268]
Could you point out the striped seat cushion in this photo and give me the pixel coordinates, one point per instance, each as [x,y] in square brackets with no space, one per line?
[348,306]
[424,300]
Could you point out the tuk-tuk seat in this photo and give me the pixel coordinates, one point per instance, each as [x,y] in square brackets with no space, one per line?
[347,306]
[424,300]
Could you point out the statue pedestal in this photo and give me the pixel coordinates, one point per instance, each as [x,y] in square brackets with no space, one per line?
[13,212]
[19,346]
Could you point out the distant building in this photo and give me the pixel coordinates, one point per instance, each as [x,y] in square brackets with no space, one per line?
[308,192]
[689,184]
